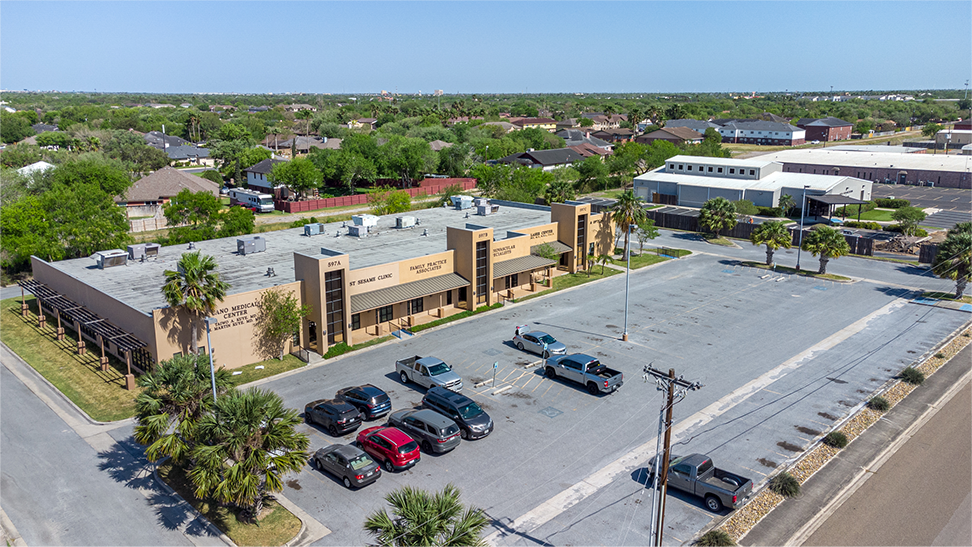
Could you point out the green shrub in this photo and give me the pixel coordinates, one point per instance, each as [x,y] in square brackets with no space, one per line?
[879,404]
[920,232]
[940,355]
[866,224]
[851,210]
[835,439]
[715,538]
[887,203]
[745,207]
[303,222]
[912,376]
[785,485]
[773,212]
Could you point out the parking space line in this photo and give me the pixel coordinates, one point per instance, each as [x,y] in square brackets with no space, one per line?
[527,382]
[784,456]
[753,470]
[771,391]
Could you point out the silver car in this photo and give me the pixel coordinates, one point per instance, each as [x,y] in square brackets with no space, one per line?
[534,341]
[434,432]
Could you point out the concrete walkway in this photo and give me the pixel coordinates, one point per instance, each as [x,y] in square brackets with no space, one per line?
[795,520]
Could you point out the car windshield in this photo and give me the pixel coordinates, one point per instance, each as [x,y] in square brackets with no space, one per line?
[547,339]
[360,461]
[439,369]
[406,448]
[470,411]
[266,201]
[451,430]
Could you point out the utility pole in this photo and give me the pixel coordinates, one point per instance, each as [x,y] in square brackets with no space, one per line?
[676,388]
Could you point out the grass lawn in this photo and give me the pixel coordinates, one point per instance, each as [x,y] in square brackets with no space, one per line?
[711,238]
[250,373]
[807,273]
[640,261]
[342,348]
[886,259]
[101,395]
[875,215]
[950,296]
[567,281]
[277,527]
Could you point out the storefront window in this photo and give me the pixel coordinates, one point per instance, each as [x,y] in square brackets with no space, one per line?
[385,314]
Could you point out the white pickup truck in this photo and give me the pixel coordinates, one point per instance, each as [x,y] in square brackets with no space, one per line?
[428,372]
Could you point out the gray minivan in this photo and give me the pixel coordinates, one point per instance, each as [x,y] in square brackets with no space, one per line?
[434,432]
[472,420]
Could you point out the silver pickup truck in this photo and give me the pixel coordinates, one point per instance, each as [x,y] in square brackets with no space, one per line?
[697,475]
[428,372]
[586,371]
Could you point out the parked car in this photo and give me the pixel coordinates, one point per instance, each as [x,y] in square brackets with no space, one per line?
[434,432]
[335,415]
[586,371]
[371,401]
[348,463]
[534,341]
[472,420]
[389,445]
[428,372]
[697,475]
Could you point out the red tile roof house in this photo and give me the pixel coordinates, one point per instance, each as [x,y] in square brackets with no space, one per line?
[674,135]
[148,194]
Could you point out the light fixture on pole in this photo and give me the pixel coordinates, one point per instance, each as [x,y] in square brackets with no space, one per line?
[209,344]
[627,274]
[803,211]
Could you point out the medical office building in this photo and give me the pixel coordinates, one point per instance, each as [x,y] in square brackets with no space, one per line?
[361,281]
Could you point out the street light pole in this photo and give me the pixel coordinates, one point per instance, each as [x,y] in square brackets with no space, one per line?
[209,343]
[627,274]
[803,213]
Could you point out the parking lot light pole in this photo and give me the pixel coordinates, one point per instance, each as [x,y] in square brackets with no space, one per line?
[803,213]
[209,344]
[627,275]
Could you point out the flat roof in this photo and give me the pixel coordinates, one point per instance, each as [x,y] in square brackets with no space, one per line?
[877,148]
[771,182]
[727,162]
[139,284]
[887,160]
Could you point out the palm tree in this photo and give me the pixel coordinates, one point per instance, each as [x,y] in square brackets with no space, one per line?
[251,443]
[717,214]
[786,204]
[954,257]
[627,212]
[196,286]
[774,235]
[827,243]
[176,396]
[421,518]
[603,260]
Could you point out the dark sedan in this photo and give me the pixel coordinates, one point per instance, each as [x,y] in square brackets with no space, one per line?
[335,415]
[348,463]
[370,400]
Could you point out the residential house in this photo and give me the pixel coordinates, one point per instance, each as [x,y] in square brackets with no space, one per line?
[297,107]
[587,150]
[569,123]
[362,123]
[148,194]
[257,109]
[37,166]
[43,128]
[547,124]
[762,132]
[578,137]
[825,129]
[699,126]
[438,145]
[257,175]
[189,153]
[156,139]
[604,121]
[614,135]
[674,135]
[505,125]
[547,160]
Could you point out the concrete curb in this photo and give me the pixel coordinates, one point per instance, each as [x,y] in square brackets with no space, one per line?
[189,508]
[8,532]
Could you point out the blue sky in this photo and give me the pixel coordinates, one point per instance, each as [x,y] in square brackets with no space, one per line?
[470,47]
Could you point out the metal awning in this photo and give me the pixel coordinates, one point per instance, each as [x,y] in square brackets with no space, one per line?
[406,291]
[558,247]
[830,199]
[522,264]
[77,313]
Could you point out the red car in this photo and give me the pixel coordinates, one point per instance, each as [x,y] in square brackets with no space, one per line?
[390,446]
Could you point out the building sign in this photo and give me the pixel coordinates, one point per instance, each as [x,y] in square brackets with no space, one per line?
[235,316]
[503,250]
[545,233]
[373,278]
[432,266]
[426,266]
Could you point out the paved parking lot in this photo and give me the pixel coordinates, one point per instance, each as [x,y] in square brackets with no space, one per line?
[947,199]
[782,360]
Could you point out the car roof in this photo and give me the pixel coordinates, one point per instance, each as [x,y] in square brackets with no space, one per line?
[395,436]
[581,357]
[348,451]
[338,404]
[369,389]
[432,417]
[537,333]
[449,395]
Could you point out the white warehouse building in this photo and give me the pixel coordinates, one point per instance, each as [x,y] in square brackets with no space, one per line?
[690,181]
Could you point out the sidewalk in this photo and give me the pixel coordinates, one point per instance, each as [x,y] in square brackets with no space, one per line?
[792,517]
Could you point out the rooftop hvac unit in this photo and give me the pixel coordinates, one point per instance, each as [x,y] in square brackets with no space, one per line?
[405,222]
[152,250]
[358,231]
[462,202]
[114,257]
[251,244]
[136,252]
[483,210]
[365,220]
[313,229]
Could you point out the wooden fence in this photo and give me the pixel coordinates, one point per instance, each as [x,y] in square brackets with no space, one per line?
[428,188]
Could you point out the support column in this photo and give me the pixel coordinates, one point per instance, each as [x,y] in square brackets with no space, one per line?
[129,378]
[60,329]
[104,358]
[81,348]
[23,303]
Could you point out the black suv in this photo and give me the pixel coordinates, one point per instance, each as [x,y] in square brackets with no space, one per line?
[335,415]
[472,420]
[370,400]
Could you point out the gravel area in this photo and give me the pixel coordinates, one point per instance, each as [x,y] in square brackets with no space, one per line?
[742,520]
